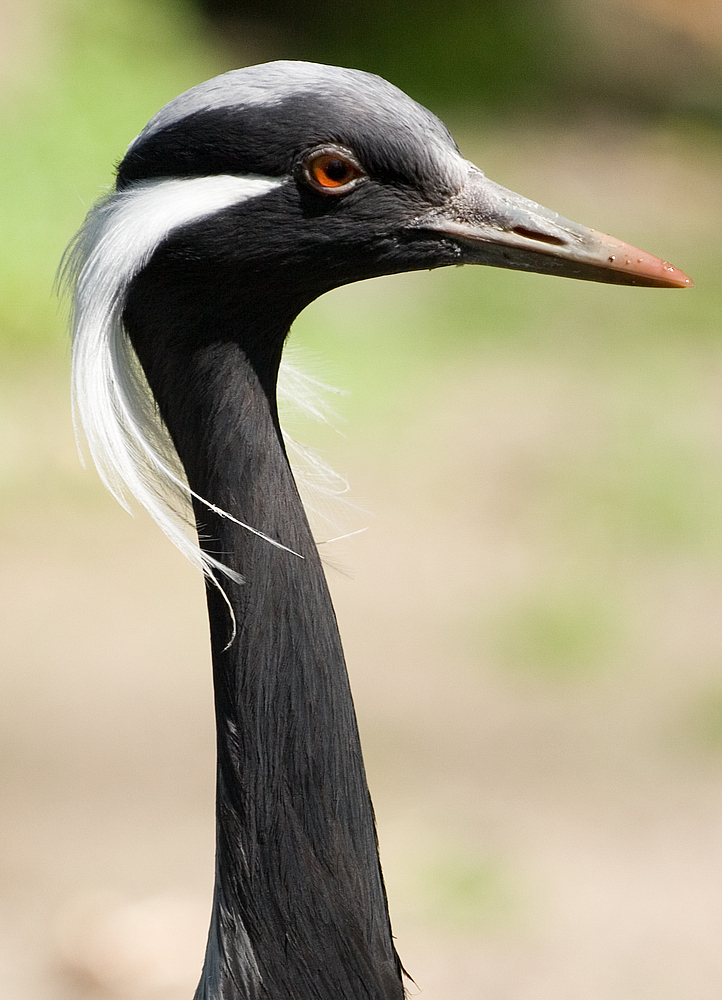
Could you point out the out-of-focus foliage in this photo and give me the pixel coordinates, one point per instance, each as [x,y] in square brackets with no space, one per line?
[102,71]
[501,53]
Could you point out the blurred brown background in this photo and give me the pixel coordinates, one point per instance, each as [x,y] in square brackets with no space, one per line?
[533,619]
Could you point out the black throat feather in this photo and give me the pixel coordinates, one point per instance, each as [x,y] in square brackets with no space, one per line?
[299,905]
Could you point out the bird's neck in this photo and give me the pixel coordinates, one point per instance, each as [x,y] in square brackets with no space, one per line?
[300,907]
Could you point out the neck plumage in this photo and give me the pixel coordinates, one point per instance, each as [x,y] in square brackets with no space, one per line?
[299,906]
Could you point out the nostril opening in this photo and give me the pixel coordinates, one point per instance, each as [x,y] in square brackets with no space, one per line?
[532,234]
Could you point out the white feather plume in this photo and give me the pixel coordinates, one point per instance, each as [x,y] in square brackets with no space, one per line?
[128,442]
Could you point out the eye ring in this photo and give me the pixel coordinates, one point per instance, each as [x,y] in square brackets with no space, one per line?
[332,170]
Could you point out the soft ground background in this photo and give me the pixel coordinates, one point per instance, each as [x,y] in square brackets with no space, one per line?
[533,619]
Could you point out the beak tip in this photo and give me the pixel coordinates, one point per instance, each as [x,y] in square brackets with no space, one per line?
[642,267]
[675,277]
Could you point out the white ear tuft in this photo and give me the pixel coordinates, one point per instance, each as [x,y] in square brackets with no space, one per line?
[112,402]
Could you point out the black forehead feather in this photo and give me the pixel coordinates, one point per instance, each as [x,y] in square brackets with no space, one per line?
[259,120]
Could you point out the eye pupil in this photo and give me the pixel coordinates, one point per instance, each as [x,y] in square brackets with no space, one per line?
[336,170]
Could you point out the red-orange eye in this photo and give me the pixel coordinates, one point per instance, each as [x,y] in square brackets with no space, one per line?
[331,171]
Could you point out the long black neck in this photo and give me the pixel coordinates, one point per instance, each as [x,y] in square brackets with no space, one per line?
[299,908]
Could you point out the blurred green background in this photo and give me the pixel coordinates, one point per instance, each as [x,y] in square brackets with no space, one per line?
[533,620]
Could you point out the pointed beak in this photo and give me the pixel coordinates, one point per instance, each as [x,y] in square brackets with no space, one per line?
[493,226]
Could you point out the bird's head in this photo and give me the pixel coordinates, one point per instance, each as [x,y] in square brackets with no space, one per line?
[305,177]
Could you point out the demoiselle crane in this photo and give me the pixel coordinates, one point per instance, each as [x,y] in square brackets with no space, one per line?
[241,201]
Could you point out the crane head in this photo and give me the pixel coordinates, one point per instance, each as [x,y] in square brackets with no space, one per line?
[366,182]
